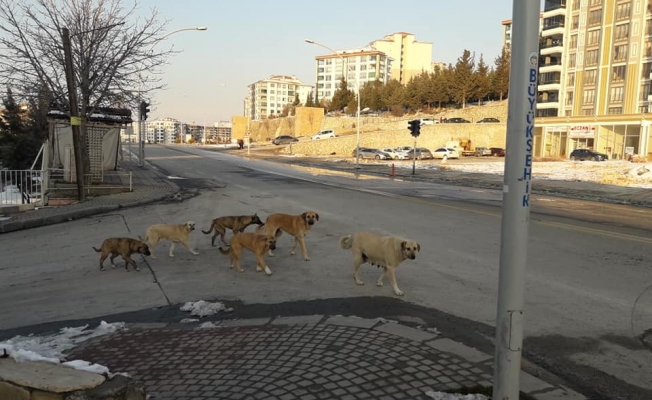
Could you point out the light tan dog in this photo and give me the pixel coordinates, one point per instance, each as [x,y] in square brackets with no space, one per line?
[296,225]
[123,247]
[175,233]
[386,252]
[235,223]
[258,244]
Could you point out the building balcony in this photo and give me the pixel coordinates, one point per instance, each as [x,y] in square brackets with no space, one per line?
[549,86]
[554,66]
[553,28]
[549,103]
[555,46]
[551,5]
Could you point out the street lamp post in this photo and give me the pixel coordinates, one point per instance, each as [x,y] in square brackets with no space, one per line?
[141,123]
[357,89]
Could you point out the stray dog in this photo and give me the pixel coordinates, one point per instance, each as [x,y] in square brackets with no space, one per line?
[236,223]
[386,252]
[174,233]
[296,225]
[259,244]
[123,247]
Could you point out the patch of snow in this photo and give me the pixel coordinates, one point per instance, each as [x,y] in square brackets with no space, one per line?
[188,320]
[454,396]
[206,325]
[51,348]
[203,308]
[387,321]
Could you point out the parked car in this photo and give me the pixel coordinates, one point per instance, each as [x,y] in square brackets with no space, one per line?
[488,121]
[395,154]
[446,151]
[421,153]
[456,120]
[497,151]
[482,151]
[428,121]
[11,195]
[284,139]
[372,154]
[329,133]
[586,154]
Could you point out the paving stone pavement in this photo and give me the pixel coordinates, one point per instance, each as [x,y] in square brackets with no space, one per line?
[305,357]
[149,185]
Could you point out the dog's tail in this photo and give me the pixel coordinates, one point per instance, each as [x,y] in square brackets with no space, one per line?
[346,242]
[143,240]
[97,249]
[209,229]
[225,252]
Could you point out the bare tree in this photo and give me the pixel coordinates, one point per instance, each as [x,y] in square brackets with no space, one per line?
[112,50]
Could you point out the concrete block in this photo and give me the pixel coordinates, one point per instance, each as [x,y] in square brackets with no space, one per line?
[559,394]
[298,320]
[406,332]
[531,384]
[119,387]
[38,395]
[47,377]
[354,322]
[229,323]
[12,392]
[464,351]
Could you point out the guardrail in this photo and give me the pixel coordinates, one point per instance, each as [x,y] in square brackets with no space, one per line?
[113,180]
[21,187]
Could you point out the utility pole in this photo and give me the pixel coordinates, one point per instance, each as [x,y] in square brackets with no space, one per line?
[521,112]
[75,120]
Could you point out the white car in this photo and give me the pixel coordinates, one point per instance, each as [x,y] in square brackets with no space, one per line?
[329,133]
[446,151]
[396,154]
[428,121]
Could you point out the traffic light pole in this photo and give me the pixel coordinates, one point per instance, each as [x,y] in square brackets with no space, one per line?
[141,149]
[414,157]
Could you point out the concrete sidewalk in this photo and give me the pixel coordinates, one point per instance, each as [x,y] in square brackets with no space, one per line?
[149,186]
[301,357]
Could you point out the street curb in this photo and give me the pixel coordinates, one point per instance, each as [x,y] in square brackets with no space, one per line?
[531,385]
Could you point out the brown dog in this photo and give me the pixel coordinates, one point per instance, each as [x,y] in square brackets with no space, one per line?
[387,252]
[123,247]
[174,233]
[295,225]
[259,244]
[237,224]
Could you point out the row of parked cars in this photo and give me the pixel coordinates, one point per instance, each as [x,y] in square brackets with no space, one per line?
[457,120]
[406,153]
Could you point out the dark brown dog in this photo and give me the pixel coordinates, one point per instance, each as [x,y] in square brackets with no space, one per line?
[295,225]
[237,224]
[259,244]
[123,247]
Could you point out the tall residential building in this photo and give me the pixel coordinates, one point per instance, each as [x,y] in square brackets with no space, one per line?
[507,31]
[365,65]
[411,57]
[594,78]
[269,96]
[164,130]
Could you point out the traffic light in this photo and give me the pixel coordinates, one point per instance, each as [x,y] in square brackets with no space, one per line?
[415,127]
[144,110]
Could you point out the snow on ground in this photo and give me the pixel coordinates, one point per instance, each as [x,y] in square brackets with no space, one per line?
[203,308]
[453,396]
[51,348]
[620,173]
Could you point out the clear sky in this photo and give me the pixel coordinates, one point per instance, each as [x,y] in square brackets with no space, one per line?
[249,40]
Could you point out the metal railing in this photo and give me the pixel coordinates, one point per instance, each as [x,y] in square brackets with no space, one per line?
[112,180]
[21,187]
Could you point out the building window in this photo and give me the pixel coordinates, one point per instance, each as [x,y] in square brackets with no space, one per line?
[589,77]
[622,11]
[595,3]
[570,79]
[591,57]
[648,27]
[645,91]
[588,96]
[575,22]
[573,42]
[587,111]
[620,52]
[571,60]
[595,17]
[593,37]
[616,94]
[648,48]
[569,98]
[621,32]
[615,110]
[618,73]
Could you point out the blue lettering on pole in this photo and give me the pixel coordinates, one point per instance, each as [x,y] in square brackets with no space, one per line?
[529,125]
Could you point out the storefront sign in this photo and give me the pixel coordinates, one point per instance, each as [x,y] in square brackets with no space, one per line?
[582,131]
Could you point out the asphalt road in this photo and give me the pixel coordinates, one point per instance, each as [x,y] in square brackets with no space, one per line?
[588,296]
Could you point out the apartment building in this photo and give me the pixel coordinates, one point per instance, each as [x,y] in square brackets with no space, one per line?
[268,97]
[164,130]
[357,66]
[594,78]
[410,56]
[507,32]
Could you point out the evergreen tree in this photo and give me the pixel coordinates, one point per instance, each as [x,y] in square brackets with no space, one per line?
[463,84]
[22,132]
[500,81]
[441,79]
[309,101]
[342,97]
[482,83]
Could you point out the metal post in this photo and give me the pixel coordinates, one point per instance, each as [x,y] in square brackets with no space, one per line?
[75,120]
[357,125]
[516,198]
[141,150]
[414,157]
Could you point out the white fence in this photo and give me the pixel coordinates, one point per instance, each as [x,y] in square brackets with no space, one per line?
[21,187]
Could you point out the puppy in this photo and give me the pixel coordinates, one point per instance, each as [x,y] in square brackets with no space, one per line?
[174,233]
[296,225]
[386,252]
[123,247]
[235,223]
[259,244]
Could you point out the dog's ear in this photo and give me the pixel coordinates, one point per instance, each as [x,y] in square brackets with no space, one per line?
[403,243]
[304,215]
[141,239]
[276,232]
[418,247]
[317,215]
